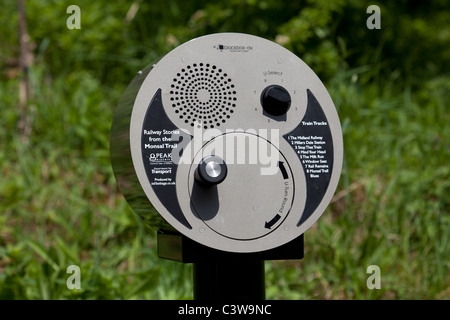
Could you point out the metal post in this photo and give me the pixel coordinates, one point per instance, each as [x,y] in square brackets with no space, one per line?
[219,275]
[229,279]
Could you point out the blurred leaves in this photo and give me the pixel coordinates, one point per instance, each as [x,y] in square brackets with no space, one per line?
[59,202]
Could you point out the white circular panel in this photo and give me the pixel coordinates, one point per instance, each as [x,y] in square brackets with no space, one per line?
[227,87]
[248,204]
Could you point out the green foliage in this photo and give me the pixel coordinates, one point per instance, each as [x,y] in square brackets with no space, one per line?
[59,201]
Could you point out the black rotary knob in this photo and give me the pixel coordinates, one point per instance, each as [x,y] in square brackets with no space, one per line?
[211,170]
[275,100]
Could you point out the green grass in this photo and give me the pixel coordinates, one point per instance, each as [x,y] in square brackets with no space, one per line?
[60,204]
[392,209]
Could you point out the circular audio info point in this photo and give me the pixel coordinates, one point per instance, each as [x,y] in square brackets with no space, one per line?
[229,139]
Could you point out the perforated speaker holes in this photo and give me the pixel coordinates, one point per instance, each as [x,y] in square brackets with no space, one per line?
[202,94]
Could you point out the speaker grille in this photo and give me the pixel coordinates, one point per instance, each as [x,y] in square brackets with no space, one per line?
[203,95]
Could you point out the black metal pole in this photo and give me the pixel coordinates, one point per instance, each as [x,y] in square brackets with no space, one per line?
[229,279]
[219,275]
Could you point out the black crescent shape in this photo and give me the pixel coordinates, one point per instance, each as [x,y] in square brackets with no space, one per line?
[283,170]
[156,119]
[316,185]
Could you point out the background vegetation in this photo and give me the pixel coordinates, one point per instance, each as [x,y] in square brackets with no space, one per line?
[60,204]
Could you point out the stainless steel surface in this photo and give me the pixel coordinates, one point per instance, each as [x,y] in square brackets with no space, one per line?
[210,89]
[213,169]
